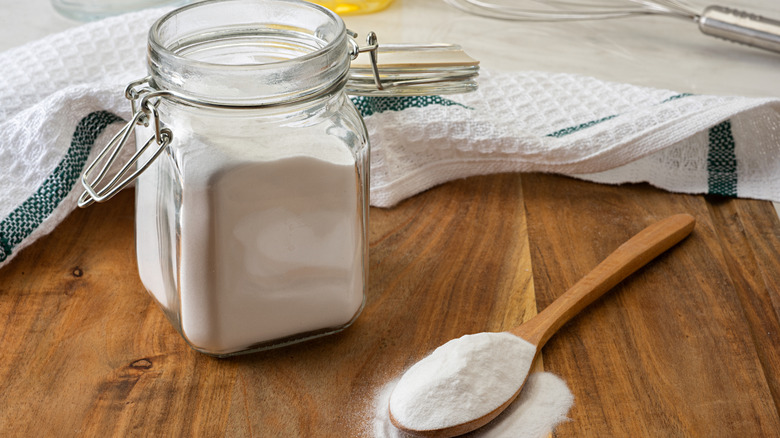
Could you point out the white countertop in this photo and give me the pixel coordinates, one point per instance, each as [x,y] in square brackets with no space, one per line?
[661,52]
[653,51]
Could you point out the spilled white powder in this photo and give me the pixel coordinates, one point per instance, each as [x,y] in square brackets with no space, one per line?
[461,381]
[540,407]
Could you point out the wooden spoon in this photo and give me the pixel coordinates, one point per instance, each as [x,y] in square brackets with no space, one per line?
[629,257]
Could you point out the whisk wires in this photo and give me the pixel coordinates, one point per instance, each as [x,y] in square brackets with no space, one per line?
[570,10]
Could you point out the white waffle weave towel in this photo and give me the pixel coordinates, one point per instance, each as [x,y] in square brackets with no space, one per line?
[61,98]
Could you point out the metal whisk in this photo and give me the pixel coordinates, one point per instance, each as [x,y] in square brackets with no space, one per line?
[718,21]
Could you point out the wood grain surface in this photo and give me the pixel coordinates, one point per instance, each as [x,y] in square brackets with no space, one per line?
[687,346]
[86,352]
[625,260]
[671,351]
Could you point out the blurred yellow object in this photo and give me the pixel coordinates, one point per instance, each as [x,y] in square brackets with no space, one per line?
[353,7]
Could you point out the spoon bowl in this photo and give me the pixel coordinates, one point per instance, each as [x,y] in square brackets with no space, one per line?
[625,260]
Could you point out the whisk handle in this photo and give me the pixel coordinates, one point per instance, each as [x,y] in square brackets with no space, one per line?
[741,27]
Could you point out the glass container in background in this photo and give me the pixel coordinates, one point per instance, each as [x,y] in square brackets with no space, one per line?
[88,10]
[354,7]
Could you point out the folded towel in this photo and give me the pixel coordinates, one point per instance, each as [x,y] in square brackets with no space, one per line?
[61,98]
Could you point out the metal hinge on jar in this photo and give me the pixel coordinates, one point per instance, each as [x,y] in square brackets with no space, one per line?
[404,70]
[409,69]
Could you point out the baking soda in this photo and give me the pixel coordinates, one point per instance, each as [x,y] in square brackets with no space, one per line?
[463,380]
[252,222]
[270,242]
[540,407]
[467,378]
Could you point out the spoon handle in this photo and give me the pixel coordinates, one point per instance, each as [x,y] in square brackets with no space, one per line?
[629,257]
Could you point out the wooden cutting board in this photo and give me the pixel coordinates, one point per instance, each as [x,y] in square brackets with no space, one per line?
[685,347]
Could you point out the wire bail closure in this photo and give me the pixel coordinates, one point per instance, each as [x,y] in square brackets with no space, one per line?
[146,114]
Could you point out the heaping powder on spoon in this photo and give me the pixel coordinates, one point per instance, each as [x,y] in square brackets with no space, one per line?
[538,410]
[462,380]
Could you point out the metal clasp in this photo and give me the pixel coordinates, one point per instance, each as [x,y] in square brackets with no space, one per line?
[372,48]
[146,112]
[410,69]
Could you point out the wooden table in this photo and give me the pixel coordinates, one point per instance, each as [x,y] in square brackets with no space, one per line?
[687,346]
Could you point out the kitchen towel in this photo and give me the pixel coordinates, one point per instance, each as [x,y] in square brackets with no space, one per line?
[61,98]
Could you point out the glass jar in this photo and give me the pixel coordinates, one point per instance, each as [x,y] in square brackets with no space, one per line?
[251,224]
[87,10]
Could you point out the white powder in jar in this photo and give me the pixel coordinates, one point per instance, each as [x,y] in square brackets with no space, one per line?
[271,240]
[462,380]
[253,233]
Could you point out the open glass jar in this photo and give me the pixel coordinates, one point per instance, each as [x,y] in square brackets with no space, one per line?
[251,217]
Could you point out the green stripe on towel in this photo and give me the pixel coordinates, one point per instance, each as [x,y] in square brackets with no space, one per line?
[676,96]
[31,214]
[369,105]
[572,129]
[722,161]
